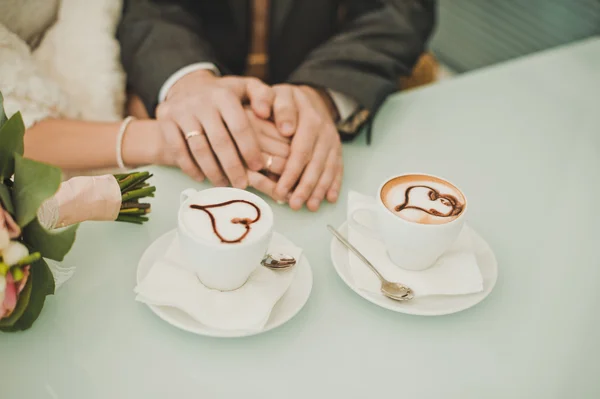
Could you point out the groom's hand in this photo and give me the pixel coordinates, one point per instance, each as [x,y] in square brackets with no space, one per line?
[222,138]
[314,169]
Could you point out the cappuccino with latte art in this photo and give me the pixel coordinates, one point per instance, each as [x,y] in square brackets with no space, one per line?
[224,233]
[423,199]
[418,217]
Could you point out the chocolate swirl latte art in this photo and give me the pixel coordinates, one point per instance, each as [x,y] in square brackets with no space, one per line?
[243,221]
[449,200]
[423,199]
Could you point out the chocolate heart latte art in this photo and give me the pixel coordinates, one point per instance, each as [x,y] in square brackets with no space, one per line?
[246,222]
[423,199]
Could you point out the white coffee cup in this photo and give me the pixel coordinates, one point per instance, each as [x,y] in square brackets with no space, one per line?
[410,245]
[219,265]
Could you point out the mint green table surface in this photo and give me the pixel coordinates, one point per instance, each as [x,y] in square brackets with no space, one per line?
[523,141]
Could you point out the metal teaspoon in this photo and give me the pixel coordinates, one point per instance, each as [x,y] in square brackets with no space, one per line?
[395,291]
[278,261]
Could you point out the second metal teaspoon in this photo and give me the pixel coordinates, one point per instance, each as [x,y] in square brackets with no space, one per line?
[395,291]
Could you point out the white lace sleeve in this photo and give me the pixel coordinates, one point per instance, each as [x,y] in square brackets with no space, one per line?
[81,52]
[24,86]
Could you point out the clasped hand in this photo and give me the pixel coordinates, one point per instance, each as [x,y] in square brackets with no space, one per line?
[236,127]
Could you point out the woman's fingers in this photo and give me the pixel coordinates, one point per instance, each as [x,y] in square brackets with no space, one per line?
[274,164]
[274,147]
[261,183]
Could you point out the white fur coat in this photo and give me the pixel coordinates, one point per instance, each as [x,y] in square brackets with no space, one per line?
[74,72]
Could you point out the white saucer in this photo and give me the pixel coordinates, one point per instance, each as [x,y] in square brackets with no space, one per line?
[434,305]
[287,307]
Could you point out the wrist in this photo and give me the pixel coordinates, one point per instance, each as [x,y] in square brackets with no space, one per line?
[192,78]
[141,143]
[326,101]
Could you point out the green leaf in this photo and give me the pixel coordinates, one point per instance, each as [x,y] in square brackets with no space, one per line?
[41,284]
[11,142]
[34,183]
[53,244]
[22,304]
[6,199]
[2,113]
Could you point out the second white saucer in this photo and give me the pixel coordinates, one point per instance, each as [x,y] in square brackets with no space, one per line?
[434,305]
[286,308]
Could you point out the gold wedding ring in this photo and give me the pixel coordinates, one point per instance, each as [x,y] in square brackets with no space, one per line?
[191,134]
[269,163]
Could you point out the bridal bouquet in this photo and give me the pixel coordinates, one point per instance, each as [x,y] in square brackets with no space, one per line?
[39,216]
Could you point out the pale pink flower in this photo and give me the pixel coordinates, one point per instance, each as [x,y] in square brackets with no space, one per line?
[11,293]
[8,223]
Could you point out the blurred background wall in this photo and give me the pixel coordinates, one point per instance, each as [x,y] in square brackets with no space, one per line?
[476,33]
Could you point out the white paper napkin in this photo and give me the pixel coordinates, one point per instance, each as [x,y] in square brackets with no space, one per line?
[170,283]
[455,273]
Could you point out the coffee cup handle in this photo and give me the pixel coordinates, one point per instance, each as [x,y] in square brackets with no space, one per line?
[361,228]
[185,194]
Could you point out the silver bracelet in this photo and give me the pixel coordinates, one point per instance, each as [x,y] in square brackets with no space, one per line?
[122,130]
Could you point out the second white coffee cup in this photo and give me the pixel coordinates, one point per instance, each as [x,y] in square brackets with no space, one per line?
[410,245]
[223,265]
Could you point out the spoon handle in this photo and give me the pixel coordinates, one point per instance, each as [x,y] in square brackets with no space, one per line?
[356,252]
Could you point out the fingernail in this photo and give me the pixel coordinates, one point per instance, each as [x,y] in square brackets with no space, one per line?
[222,183]
[313,205]
[287,127]
[333,196]
[296,203]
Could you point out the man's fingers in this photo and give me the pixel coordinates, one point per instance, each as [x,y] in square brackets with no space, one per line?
[309,128]
[261,183]
[241,130]
[261,97]
[285,111]
[204,157]
[274,164]
[334,191]
[318,194]
[200,149]
[179,150]
[223,147]
[310,177]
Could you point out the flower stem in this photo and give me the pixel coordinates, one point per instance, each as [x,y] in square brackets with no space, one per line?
[139,193]
[28,260]
[132,219]
[133,179]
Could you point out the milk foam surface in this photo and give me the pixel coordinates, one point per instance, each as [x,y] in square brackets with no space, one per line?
[429,200]
[198,222]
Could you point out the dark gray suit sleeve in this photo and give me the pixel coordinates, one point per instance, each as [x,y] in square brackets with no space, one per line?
[157,39]
[375,48]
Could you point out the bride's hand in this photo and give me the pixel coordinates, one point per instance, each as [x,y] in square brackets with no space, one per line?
[274,147]
[275,151]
